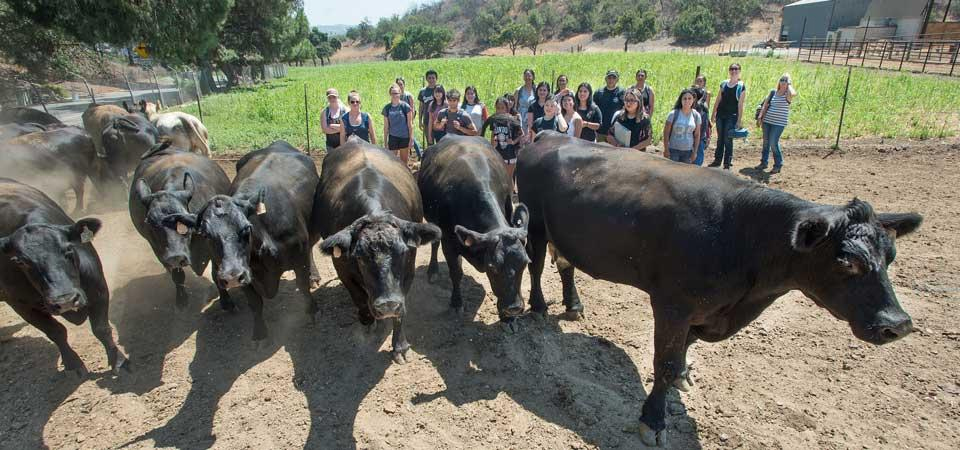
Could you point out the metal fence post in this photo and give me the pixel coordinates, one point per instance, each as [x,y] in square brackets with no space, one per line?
[176,80]
[953,61]
[196,86]
[156,82]
[843,109]
[126,80]
[883,54]
[903,55]
[306,115]
[926,57]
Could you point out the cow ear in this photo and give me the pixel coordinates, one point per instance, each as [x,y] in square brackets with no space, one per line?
[255,204]
[521,217]
[809,233]
[143,190]
[188,188]
[84,230]
[468,238]
[417,234]
[5,246]
[337,244]
[900,224]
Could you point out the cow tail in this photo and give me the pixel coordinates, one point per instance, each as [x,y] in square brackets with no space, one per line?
[198,134]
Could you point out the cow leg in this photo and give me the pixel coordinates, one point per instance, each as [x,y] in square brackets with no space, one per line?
[78,190]
[179,278]
[433,270]
[314,271]
[538,254]
[56,333]
[669,361]
[100,325]
[303,285]
[570,297]
[256,305]
[456,274]
[400,344]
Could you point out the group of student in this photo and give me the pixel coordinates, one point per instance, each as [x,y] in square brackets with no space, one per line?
[615,115]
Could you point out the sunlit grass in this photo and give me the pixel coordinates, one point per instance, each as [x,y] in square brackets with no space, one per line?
[884,104]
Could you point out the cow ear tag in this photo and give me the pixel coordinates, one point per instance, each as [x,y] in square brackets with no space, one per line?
[261,209]
[337,252]
[86,235]
[181,229]
[468,242]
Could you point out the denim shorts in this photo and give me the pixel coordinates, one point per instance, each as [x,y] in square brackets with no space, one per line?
[681,155]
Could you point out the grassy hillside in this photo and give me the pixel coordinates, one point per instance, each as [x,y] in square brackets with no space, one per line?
[883,104]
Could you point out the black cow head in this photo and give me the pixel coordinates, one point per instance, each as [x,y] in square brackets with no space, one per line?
[226,223]
[502,255]
[844,254]
[48,256]
[384,247]
[128,137]
[169,232]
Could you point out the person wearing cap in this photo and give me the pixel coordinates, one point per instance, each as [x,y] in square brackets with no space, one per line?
[610,100]
[330,119]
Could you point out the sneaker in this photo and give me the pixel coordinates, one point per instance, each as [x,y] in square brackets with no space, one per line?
[760,167]
[775,170]
[715,163]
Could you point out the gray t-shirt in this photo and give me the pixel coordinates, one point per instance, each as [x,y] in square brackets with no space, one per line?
[681,135]
[398,119]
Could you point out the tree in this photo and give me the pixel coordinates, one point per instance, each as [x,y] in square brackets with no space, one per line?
[726,16]
[636,26]
[694,26]
[516,35]
[324,45]
[257,32]
[420,42]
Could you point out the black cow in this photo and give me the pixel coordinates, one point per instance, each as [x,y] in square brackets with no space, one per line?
[466,192]
[49,267]
[125,139]
[170,182]
[28,115]
[261,229]
[369,209]
[9,131]
[72,146]
[712,250]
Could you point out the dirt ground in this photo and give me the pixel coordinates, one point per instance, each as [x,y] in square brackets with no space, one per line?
[795,378]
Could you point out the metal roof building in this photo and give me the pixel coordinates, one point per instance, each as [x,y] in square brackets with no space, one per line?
[812,19]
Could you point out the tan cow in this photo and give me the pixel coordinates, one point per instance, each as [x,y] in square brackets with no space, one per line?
[96,118]
[184,130]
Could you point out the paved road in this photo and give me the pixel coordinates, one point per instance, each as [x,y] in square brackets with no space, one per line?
[70,112]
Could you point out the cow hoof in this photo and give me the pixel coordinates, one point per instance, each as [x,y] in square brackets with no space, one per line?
[77,373]
[432,274]
[652,438]
[572,316]
[315,283]
[399,357]
[510,327]
[684,382]
[123,363]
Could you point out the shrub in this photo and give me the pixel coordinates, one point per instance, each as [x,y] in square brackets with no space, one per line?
[694,26]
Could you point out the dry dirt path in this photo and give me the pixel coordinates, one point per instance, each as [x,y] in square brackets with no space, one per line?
[795,378]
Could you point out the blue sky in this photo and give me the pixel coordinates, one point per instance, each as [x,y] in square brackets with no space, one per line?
[351,12]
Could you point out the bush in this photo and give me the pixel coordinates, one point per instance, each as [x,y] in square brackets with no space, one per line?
[694,26]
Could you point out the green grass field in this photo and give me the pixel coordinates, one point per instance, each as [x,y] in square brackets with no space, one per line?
[885,104]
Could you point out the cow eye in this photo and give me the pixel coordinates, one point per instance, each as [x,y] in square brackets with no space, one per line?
[18,262]
[849,266]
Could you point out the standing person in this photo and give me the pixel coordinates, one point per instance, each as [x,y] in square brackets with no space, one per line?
[452,119]
[774,117]
[408,99]
[506,133]
[536,109]
[525,95]
[473,106]
[728,115]
[630,127]
[423,97]
[681,131]
[570,115]
[609,100]
[589,112]
[551,120]
[330,119]
[432,107]
[701,82]
[700,105]
[398,125]
[561,88]
[649,98]
[357,122]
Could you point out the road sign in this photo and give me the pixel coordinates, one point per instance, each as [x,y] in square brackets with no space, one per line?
[142,50]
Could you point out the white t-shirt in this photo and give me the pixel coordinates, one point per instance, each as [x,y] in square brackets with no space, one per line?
[684,125]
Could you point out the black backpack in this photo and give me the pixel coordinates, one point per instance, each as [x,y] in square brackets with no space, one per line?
[756,114]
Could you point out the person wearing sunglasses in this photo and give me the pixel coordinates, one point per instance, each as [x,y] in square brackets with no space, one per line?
[630,127]
[356,122]
[728,115]
[398,124]
[774,117]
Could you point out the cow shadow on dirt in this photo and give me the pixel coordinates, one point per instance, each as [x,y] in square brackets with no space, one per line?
[148,326]
[26,406]
[583,383]
[756,174]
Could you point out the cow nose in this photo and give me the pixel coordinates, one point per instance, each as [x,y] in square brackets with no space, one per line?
[892,332]
[66,302]
[235,279]
[387,308]
[177,261]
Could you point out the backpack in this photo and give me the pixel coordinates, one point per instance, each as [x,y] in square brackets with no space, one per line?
[756,114]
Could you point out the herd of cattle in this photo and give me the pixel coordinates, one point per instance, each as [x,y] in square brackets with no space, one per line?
[712,250]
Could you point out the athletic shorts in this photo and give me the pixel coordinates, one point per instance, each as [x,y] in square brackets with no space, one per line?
[508,154]
[396,143]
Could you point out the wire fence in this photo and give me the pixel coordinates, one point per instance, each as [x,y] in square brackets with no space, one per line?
[923,56]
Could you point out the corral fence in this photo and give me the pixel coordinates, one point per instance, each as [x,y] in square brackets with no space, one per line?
[937,56]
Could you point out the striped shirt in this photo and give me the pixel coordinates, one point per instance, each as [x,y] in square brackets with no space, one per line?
[778,113]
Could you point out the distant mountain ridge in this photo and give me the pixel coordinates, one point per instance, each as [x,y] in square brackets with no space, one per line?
[334,30]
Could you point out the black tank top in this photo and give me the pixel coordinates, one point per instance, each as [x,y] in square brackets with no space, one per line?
[361,130]
[333,139]
[729,102]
